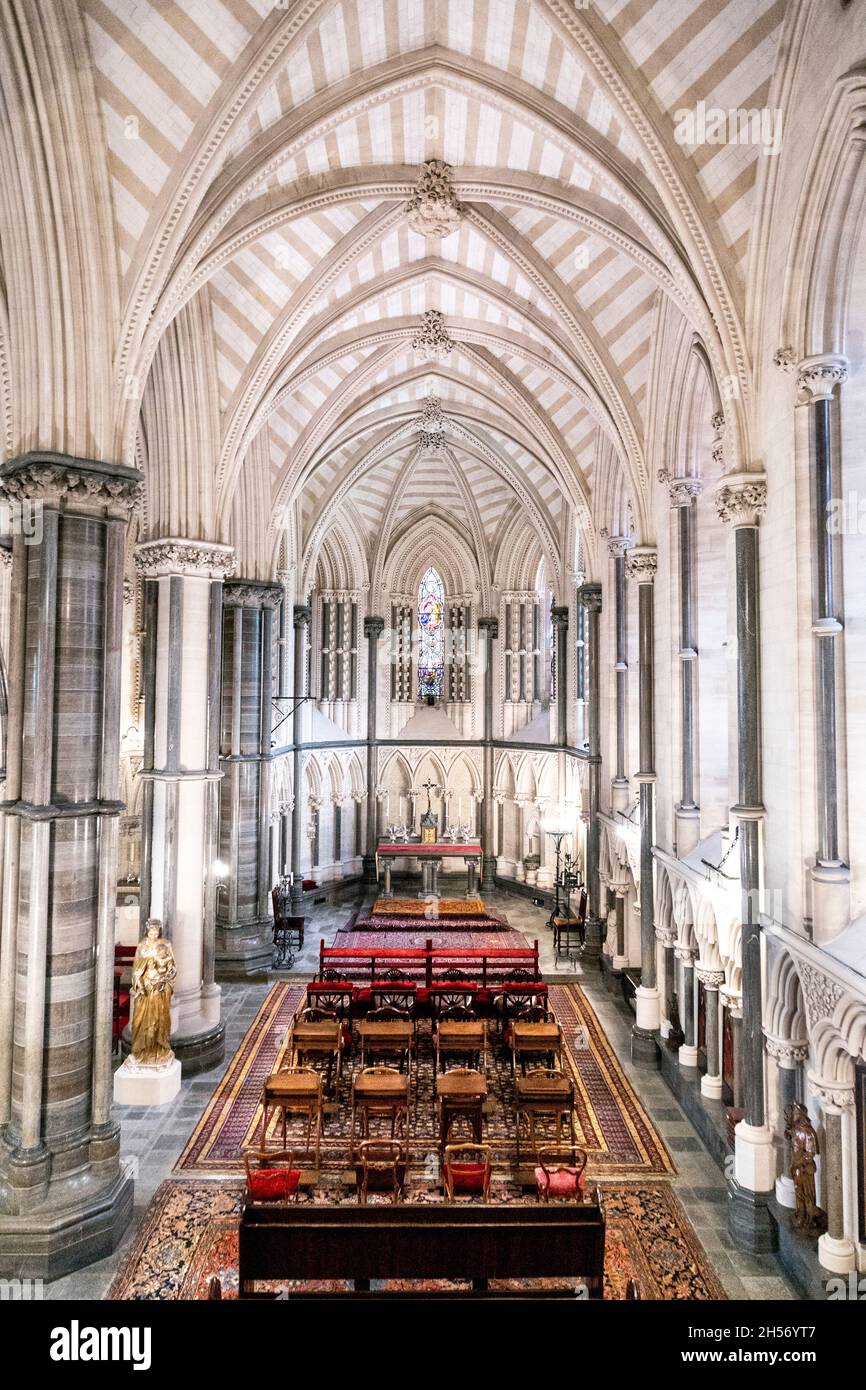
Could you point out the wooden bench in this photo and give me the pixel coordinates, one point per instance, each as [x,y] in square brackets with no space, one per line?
[472,1242]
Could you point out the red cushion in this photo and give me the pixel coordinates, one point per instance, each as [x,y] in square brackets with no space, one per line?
[273,1184]
[566,1182]
[467,1177]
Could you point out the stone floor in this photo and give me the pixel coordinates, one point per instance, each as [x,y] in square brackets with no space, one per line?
[153,1137]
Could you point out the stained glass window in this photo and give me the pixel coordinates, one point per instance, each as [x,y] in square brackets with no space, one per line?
[431,645]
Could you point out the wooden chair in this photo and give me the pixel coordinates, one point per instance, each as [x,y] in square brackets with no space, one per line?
[380,1164]
[443,1046]
[466,1170]
[391,1104]
[387,1047]
[545,1093]
[561,1173]
[275,1181]
[317,1013]
[294,1091]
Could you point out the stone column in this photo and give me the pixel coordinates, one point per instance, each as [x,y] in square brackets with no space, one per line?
[244,914]
[373,629]
[741,500]
[619,786]
[789,1058]
[183,582]
[688,1053]
[817,379]
[683,494]
[836,1251]
[711,1081]
[620,956]
[589,597]
[488,628]
[559,618]
[641,565]
[666,938]
[301,614]
[64,1199]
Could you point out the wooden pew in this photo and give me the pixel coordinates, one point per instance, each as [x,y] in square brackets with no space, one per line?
[474,1242]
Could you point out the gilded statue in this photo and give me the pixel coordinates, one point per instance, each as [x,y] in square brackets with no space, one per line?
[153,976]
[803,1140]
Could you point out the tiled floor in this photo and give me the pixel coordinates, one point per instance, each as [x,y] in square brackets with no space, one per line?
[153,1137]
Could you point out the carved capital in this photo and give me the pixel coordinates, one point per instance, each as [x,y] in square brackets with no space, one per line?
[618,545]
[784,1050]
[683,491]
[833,1095]
[175,555]
[641,563]
[301,615]
[559,617]
[710,979]
[589,597]
[490,626]
[251,593]
[76,484]
[741,498]
[818,377]
[374,627]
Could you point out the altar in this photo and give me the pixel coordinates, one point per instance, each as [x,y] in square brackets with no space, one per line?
[430,856]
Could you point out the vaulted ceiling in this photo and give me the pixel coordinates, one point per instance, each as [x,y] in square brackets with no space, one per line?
[261,158]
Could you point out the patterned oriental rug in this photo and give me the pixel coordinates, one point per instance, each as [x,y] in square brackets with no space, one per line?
[189,1234]
[611,1123]
[397,935]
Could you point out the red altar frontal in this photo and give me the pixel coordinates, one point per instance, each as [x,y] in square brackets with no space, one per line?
[430,858]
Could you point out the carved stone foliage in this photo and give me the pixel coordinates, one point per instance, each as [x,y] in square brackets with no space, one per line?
[432,432]
[200,559]
[434,209]
[47,478]
[641,565]
[741,499]
[683,490]
[432,341]
[246,593]
[818,377]
[820,993]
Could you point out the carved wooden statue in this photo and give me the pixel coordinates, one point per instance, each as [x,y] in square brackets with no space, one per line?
[153,976]
[804,1150]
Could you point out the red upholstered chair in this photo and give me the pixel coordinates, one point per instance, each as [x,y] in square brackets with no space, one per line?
[561,1173]
[466,1170]
[272,1177]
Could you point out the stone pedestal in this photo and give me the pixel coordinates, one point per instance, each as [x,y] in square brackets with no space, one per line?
[137,1085]
[64,1197]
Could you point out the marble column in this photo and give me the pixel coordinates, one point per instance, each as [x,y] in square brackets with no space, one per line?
[836,1250]
[666,938]
[373,629]
[711,1081]
[589,598]
[789,1058]
[688,1053]
[183,582]
[817,379]
[64,1197]
[683,494]
[244,934]
[301,615]
[741,500]
[559,618]
[641,565]
[618,546]
[620,956]
[488,629]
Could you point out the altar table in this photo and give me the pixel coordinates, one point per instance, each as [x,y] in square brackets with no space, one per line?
[430,857]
